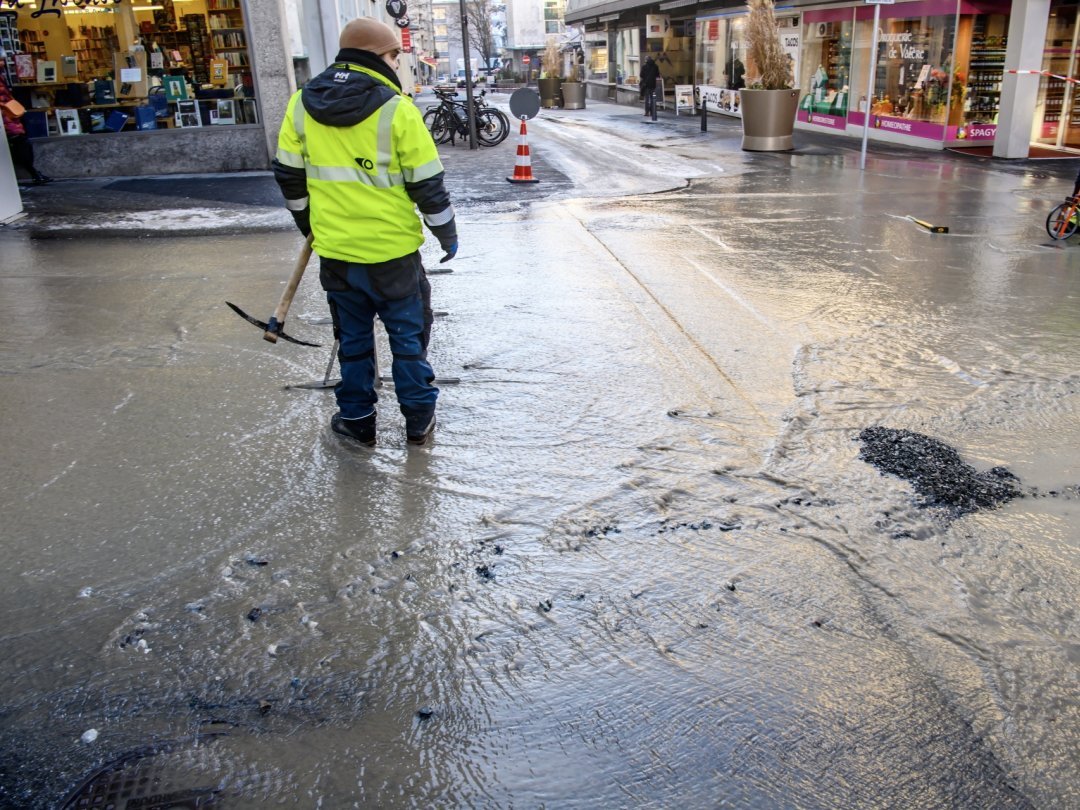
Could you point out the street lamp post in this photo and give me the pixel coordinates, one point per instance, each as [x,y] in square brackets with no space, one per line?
[468,75]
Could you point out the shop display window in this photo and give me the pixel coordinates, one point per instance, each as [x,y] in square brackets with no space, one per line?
[914,72]
[72,67]
[597,62]
[1057,112]
[674,53]
[825,90]
[720,59]
[980,67]
[719,62]
[627,56]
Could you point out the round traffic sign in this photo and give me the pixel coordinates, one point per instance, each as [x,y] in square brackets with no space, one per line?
[526,59]
[524,103]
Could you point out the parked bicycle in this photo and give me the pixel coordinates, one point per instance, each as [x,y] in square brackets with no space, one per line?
[449,119]
[1062,221]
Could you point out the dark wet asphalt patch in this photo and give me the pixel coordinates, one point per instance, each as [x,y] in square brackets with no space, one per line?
[936,471]
[259,189]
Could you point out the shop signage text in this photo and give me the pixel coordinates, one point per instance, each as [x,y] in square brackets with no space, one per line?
[907,50]
[823,120]
[56,6]
[903,126]
[972,132]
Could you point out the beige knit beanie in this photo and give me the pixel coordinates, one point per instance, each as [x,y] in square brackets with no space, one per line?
[367,34]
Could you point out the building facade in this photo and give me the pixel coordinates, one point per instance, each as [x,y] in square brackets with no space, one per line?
[179,86]
[945,73]
[529,26]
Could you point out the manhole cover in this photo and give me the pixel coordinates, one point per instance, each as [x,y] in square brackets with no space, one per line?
[145,779]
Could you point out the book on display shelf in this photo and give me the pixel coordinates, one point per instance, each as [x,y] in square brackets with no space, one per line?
[116,120]
[187,114]
[145,117]
[36,123]
[46,72]
[24,67]
[104,92]
[67,121]
[175,88]
[225,112]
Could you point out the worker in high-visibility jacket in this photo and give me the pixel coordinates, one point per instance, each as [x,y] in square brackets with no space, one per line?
[354,163]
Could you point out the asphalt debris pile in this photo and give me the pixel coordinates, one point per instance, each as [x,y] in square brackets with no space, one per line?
[936,471]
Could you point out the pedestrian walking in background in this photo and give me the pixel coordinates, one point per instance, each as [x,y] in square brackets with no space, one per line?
[650,72]
[22,151]
[354,162]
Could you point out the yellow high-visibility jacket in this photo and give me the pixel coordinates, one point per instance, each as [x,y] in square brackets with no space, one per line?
[356,152]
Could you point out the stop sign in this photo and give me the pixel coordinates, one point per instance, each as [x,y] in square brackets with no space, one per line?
[525,59]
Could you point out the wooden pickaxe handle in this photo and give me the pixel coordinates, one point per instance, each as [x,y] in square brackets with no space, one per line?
[277,321]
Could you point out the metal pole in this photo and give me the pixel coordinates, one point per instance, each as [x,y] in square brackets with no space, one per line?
[704,112]
[653,104]
[468,76]
[870,87]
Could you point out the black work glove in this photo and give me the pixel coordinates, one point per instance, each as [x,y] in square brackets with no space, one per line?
[303,220]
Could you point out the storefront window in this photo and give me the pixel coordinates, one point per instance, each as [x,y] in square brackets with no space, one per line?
[980,67]
[719,62]
[914,69]
[627,55]
[125,66]
[722,65]
[826,75]
[1057,114]
[598,62]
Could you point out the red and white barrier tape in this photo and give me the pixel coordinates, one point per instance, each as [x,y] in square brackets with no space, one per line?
[1046,73]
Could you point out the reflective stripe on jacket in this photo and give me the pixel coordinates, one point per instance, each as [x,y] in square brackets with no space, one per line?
[356,176]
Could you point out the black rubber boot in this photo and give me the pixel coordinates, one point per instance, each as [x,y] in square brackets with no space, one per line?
[361,430]
[414,434]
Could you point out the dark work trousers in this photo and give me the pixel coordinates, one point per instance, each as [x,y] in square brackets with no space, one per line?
[22,153]
[399,293]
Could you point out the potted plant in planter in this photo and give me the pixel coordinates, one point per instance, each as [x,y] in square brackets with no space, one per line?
[551,77]
[768,103]
[573,89]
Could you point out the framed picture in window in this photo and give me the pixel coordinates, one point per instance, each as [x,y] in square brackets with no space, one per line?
[175,88]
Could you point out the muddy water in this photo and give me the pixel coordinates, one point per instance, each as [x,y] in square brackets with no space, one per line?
[642,564]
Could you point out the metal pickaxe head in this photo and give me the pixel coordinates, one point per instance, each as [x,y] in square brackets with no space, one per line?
[272,330]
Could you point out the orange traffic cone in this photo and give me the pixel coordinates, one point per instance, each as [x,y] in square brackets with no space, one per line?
[523,167]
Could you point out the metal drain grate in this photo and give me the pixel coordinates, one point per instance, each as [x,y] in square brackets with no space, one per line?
[140,779]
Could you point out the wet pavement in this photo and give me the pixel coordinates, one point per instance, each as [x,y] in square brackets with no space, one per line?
[643,563]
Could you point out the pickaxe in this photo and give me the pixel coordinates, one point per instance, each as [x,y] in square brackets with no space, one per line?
[276,327]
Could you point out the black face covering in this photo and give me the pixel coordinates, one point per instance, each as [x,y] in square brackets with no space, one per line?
[371,61]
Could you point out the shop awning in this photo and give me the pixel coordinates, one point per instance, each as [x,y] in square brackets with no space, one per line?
[592,12]
[581,11]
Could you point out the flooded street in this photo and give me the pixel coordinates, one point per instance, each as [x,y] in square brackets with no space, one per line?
[642,564]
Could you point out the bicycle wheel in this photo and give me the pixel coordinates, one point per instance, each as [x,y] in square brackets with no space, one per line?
[491,128]
[1061,223]
[438,125]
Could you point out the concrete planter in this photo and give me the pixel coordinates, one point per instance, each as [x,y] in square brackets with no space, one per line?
[768,119]
[549,92]
[573,95]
